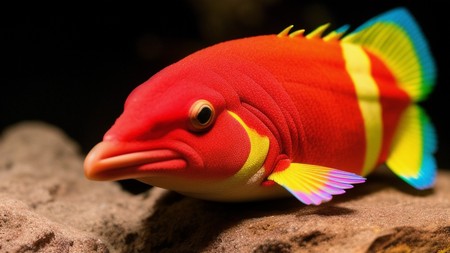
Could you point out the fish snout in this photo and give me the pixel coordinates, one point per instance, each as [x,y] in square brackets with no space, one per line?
[110,160]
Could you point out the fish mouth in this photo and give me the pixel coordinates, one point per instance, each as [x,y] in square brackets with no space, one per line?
[111,161]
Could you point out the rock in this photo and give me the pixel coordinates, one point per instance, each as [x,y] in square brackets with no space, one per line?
[46,205]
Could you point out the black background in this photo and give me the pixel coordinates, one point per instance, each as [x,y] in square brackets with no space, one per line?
[73,64]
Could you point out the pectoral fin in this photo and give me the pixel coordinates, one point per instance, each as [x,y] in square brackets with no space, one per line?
[313,184]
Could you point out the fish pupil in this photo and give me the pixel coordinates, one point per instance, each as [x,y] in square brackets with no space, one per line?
[204,115]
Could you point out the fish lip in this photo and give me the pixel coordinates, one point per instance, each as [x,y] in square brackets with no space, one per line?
[108,161]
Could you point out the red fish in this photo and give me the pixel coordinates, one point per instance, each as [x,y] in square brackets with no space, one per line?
[264,116]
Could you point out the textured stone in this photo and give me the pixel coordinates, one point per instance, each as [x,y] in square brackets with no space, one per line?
[46,205]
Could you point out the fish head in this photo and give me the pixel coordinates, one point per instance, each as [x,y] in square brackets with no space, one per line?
[174,133]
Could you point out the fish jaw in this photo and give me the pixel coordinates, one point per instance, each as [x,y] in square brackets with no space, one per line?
[111,160]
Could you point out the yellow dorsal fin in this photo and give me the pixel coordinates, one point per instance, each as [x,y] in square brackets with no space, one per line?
[336,34]
[297,33]
[396,38]
[317,33]
[285,32]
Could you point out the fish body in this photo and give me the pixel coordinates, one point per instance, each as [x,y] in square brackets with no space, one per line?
[264,116]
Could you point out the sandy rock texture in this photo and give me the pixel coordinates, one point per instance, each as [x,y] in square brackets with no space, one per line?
[46,205]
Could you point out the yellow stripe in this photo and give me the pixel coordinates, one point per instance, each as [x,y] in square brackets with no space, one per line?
[259,147]
[357,64]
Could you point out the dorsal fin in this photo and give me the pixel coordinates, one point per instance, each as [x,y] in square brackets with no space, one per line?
[317,33]
[297,33]
[336,34]
[285,32]
[395,37]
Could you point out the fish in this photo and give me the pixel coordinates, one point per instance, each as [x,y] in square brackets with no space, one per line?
[307,115]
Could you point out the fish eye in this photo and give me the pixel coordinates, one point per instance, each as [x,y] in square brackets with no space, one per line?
[201,115]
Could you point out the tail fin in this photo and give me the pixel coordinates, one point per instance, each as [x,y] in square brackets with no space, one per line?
[411,156]
[396,38]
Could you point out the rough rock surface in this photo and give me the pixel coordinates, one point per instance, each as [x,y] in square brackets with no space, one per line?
[46,205]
